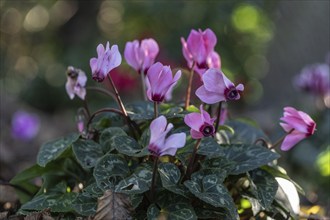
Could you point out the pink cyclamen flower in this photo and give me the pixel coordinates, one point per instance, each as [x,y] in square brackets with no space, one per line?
[24,126]
[314,79]
[199,50]
[217,87]
[76,82]
[298,124]
[107,60]
[161,145]
[141,56]
[160,82]
[201,124]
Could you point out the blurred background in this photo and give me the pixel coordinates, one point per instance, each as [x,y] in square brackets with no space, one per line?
[262,44]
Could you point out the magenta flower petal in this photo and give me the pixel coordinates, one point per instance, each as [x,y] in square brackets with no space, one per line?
[209,97]
[159,144]
[291,140]
[196,134]
[213,80]
[193,120]
[298,125]
[133,55]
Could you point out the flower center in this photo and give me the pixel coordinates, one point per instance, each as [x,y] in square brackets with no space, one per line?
[202,65]
[207,130]
[311,128]
[157,98]
[154,150]
[231,93]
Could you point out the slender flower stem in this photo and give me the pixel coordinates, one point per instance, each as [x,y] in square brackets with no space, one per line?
[280,140]
[218,117]
[153,182]
[189,87]
[143,85]
[192,159]
[101,111]
[120,103]
[156,109]
[101,90]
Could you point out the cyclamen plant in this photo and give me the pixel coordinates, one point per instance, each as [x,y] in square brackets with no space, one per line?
[154,160]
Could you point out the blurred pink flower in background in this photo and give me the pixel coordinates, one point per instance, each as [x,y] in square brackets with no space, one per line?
[199,50]
[217,87]
[140,56]
[160,81]
[24,126]
[76,82]
[314,79]
[123,81]
[107,60]
[201,124]
[159,144]
[298,125]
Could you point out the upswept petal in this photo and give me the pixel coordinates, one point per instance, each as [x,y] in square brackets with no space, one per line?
[213,81]
[205,116]
[196,134]
[114,59]
[240,87]
[93,64]
[186,53]
[131,56]
[81,93]
[306,118]
[194,120]
[157,127]
[291,140]
[149,49]
[100,50]
[286,127]
[164,81]
[296,123]
[153,73]
[174,141]
[209,97]
[69,88]
[210,40]
[213,60]
[196,46]
[228,83]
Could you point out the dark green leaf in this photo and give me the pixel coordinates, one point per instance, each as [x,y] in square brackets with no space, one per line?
[107,135]
[213,192]
[153,212]
[53,149]
[139,182]
[87,152]
[140,111]
[145,138]
[183,211]
[56,202]
[248,157]
[85,205]
[92,191]
[219,166]
[170,177]
[244,133]
[136,199]
[109,170]
[128,146]
[263,186]
[209,147]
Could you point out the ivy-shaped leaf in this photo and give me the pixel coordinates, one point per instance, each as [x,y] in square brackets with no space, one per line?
[128,146]
[175,211]
[92,191]
[56,202]
[213,192]
[139,182]
[85,205]
[263,186]
[248,157]
[170,177]
[113,206]
[209,147]
[136,199]
[53,149]
[87,152]
[219,166]
[109,170]
[107,135]
[140,111]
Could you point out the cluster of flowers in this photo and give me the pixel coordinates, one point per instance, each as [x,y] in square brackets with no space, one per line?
[198,50]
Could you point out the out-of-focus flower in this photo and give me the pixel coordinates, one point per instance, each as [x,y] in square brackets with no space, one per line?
[217,87]
[24,126]
[298,125]
[160,81]
[314,79]
[161,145]
[141,56]
[107,60]
[123,81]
[201,124]
[76,82]
[199,50]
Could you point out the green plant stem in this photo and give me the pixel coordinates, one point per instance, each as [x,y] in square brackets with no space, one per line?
[218,117]
[155,109]
[86,108]
[143,86]
[192,159]
[280,140]
[191,76]
[153,182]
